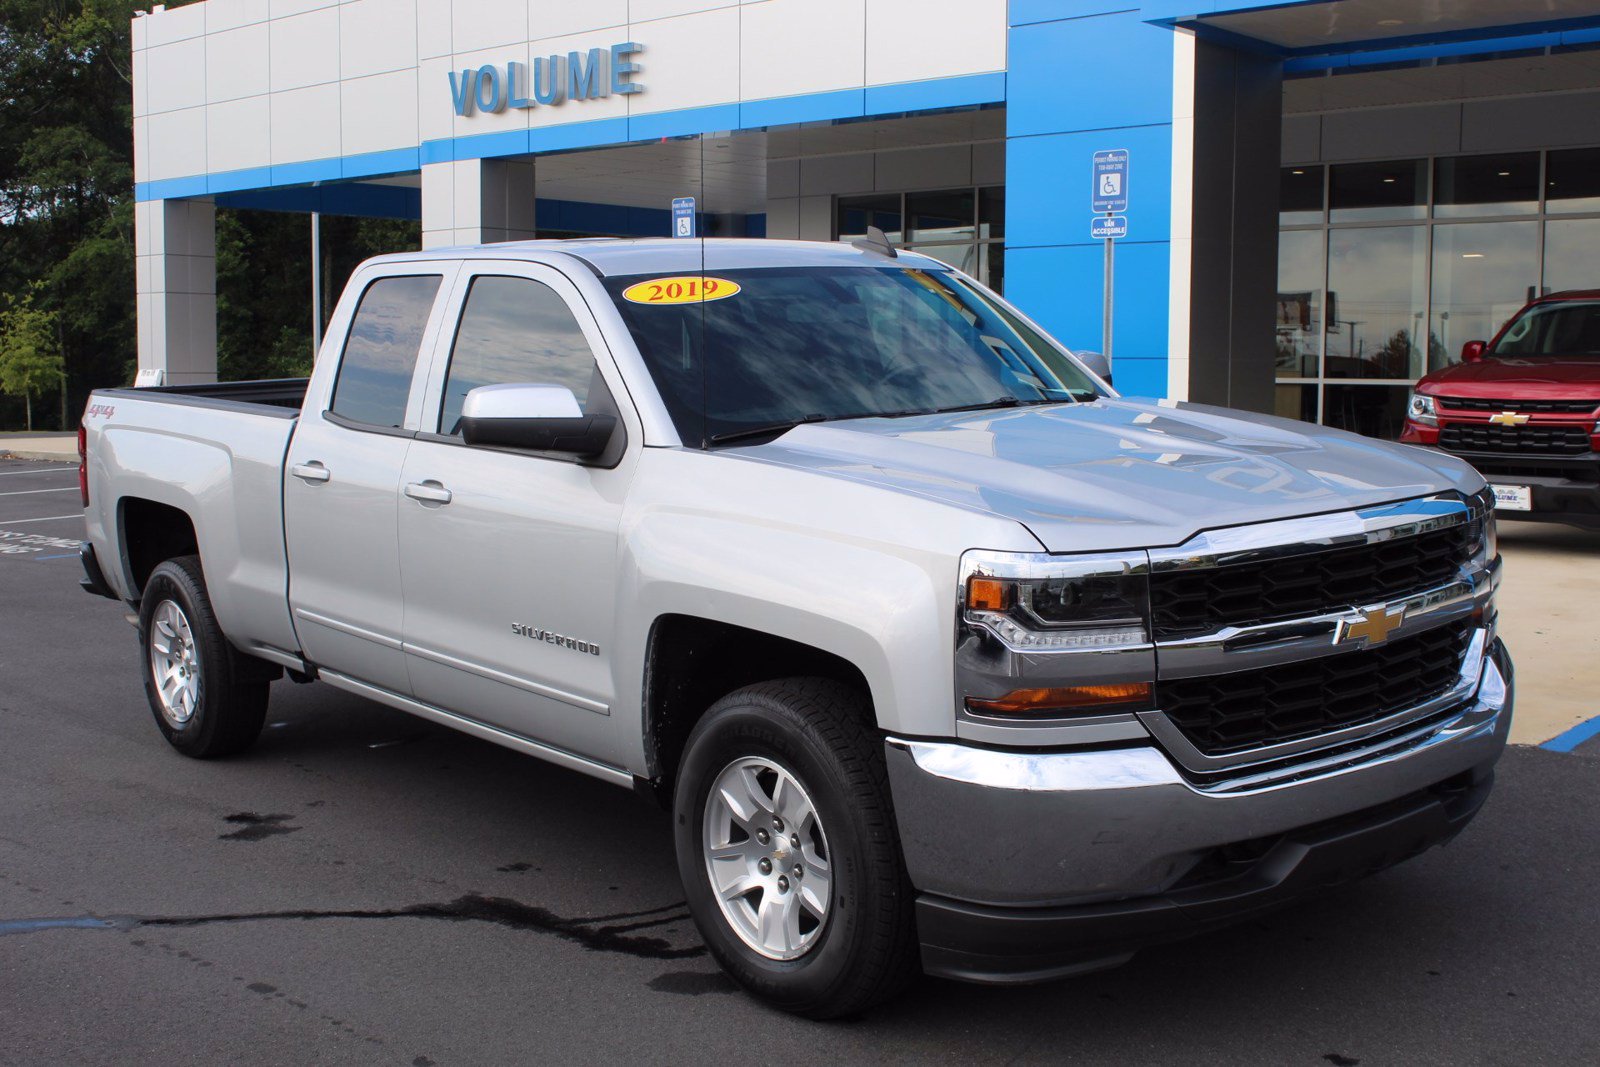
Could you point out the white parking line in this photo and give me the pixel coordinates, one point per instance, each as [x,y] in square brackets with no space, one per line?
[41,470]
[47,518]
[26,492]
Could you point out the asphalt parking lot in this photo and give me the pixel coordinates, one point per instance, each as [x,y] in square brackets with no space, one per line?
[363,887]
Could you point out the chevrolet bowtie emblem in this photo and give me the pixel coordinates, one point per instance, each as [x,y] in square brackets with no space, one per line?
[1375,625]
[1508,418]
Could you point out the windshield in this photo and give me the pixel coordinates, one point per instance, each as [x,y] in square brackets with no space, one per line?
[1568,328]
[741,351]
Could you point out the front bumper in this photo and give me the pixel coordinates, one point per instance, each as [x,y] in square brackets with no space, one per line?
[1037,865]
[1564,488]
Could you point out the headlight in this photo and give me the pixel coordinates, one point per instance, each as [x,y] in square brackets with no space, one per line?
[1050,638]
[1422,409]
[1086,602]
[1486,545]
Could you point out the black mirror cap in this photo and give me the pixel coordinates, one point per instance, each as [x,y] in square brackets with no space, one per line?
[586,435]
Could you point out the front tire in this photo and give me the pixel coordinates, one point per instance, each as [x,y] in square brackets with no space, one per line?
[209,699]
[787,848]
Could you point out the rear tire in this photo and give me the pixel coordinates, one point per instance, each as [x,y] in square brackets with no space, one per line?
[208,699]
[783,792]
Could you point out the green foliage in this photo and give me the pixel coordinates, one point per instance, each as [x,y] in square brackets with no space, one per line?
[30,357]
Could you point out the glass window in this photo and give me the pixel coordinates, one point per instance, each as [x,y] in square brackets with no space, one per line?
[1474,186]
[1572,180]
[942,216]
[1568,328]
[514,330]
[809,343]
[1374,192]
[1371,410]
[992,211]
[380,353]
[1299,303]
[1377,296]
[1300,196]
[1295,402]
[1483,273]
[1571,254]
[856,213]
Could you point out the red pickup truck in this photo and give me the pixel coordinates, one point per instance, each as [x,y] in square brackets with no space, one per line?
[1522,409]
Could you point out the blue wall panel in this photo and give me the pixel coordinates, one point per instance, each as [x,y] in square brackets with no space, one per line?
[1062,288]
[1090,73]
[1048,184]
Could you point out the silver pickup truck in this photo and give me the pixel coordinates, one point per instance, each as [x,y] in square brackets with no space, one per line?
[940,652]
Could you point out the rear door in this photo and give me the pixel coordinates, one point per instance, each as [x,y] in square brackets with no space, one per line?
[509,558]
[342,478]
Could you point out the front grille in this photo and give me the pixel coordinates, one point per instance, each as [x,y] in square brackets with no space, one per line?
[1191,602]
[1527,440]
[1225,713]
[1550,407]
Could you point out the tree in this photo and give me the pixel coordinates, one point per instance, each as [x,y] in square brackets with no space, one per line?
[30,350]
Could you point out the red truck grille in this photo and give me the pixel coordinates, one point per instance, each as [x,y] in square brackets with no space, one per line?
[1530,439]
[1524,407]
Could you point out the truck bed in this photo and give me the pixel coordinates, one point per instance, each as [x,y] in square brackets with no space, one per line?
[272,396]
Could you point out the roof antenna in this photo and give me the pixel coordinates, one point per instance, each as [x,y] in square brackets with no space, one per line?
[876,241]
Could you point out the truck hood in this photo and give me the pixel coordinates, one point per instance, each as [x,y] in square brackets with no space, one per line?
[1119,473]
[1543,378]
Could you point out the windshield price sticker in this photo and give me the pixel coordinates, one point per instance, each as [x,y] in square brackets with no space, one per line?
[683,289]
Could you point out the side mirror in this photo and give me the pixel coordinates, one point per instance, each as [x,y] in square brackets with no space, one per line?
[544,418]
[1472,351]
[1096,362]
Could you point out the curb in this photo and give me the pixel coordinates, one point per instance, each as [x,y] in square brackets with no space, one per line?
[63,457]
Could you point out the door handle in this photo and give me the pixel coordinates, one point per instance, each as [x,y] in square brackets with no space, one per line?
[429,492]
[311,472]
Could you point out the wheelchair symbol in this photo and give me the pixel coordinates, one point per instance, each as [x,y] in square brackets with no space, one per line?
[1111,184]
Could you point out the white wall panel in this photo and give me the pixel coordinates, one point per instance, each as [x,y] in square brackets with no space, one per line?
[283,8]
[139,33]
[236,63]
[141,149]
[231,14]
[435,115]
[239,134]
[910,40]
[377,36]
[647,10]
[305,49]
[177,75]
[696,61]
[176,144]
[305,124]
[141,82]
[477,24]
[610,107]
[178,24]
[379,112]
[556,18]
[790,47]
[433,29]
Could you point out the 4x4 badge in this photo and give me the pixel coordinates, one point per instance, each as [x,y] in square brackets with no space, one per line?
[1375,625]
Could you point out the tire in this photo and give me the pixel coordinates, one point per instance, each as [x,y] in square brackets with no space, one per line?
[216,701]
[861,950]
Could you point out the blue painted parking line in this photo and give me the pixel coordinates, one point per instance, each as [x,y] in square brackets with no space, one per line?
[64,555]
[1574,737]
[28,926]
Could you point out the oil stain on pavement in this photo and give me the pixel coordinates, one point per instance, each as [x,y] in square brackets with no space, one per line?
[253,827]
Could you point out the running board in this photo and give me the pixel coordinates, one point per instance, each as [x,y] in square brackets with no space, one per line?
[548,753]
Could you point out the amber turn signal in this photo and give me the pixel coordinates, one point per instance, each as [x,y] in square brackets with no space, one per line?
[988,594]
[1062,698]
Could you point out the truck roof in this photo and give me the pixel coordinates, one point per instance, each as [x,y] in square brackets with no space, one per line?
[617,256]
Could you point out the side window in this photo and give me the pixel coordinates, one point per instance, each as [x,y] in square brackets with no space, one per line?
[380,355]
[514,330]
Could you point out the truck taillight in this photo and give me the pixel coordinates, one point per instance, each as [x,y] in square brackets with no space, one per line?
[83,463]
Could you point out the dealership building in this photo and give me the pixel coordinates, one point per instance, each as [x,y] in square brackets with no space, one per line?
[1315,201]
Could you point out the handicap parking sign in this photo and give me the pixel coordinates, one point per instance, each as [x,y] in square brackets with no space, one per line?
[1109,191]
[683,216]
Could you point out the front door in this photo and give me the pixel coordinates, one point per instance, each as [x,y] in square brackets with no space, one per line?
[509,558]
[342,486]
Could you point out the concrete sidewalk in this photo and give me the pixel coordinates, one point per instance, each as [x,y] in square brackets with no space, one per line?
[1547,599]
[61,446]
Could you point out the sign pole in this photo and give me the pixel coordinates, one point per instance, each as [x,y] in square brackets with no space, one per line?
[1105,322]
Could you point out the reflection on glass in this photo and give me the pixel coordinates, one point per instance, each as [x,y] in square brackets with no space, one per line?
[1299,303]
[1572,180]
[1300,196]
[941,216]
[1296,402]
[1376,192]
[1474,186]
[1377,290]
[380,352]
[1564,328]
[1482,275]
[1371,410]
[963,257]
[1571,254]
[514,330]
[856,213]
